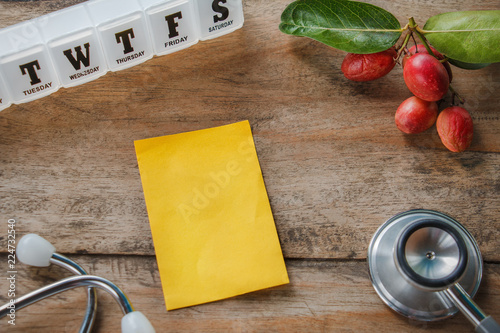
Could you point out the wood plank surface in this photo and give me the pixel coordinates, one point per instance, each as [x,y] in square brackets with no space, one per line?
[334,163]
[323,296]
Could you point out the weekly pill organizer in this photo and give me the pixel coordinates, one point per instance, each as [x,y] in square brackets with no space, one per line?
[83,42]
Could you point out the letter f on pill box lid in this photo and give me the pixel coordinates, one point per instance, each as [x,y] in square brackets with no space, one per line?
[173,24]
[24,59]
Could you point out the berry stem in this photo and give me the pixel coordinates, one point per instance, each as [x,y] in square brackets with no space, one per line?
[454,94]
[415,28]
[403,46]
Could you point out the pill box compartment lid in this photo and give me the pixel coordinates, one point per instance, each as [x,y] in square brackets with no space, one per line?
[19,37]
[104,11]
[64,22]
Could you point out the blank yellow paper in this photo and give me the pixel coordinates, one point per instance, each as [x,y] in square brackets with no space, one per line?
[212,226]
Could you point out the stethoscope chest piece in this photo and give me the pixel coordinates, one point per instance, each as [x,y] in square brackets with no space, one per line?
[414,256]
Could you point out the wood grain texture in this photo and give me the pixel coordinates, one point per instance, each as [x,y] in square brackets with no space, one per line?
[334,163]
[323,296]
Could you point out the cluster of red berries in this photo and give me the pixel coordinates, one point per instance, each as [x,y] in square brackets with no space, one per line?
[428,78]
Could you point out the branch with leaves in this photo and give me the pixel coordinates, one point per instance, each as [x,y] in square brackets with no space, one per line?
[467,39]
[470,39]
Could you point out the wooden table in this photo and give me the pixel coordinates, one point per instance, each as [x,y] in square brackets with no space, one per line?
[334,163]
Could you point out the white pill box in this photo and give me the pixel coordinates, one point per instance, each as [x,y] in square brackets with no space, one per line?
[173,24]
[83,42]
[5,100]
[123,32]
[25,64]
[218,17]
[73,45]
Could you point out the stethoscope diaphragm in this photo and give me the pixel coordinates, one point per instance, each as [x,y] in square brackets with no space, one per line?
[414,255]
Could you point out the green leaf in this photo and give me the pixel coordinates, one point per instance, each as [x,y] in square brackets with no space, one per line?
[351,26]
[470,36]
[466,65]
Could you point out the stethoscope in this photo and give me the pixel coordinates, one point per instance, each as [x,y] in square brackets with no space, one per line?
[423,264]
[36,251]
[426,266]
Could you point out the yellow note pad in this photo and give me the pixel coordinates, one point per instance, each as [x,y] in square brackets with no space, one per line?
[212,226]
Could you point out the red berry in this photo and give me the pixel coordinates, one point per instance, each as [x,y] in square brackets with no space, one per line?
[426,77]
[368,67]
[454,126]
[420,48]
[415,115]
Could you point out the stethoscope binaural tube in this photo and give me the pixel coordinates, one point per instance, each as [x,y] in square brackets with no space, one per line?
[90,311]
[432,255]
[36,251]
[133,321]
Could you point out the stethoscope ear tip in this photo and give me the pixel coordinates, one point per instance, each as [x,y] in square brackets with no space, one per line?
[136,322]
[34,250]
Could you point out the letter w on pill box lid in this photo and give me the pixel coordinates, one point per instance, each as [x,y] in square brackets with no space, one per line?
[74,45]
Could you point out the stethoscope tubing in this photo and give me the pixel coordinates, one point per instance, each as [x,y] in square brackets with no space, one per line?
[37,295]
[71,283]
[36,251]
[465,304]
[75,268]
[81,278]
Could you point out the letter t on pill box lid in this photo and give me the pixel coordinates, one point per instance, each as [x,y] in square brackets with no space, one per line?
[74,45]
[26,64]
[173,24]
[219,17]
[123,32]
